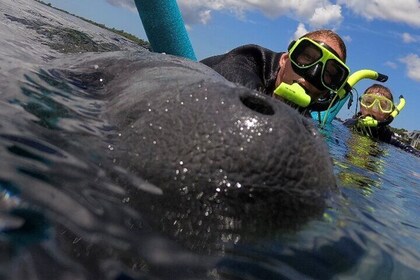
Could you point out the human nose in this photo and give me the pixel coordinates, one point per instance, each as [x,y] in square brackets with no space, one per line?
[309,88]
[375,106]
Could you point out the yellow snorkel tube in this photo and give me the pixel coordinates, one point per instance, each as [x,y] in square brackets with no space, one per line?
[360,75]
[293,93]
[368,121]
[296,94]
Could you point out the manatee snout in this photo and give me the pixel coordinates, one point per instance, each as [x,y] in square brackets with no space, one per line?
[217,150]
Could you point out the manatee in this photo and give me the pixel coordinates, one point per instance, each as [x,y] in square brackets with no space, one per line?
[229,162]
[201,163]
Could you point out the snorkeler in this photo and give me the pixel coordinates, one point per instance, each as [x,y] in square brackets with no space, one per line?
[312,68]
[377,111]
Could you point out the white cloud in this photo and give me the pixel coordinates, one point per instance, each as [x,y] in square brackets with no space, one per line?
[408,38]
[412,62]
[205,16]
[195,14]
[326,15]
[391,64]
[300,31]
[303,10]
[407,11]
[126,4]
[317,13]
[347,38]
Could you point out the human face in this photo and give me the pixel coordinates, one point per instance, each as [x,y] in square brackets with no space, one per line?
[375,108]
[288,75]
[318,64]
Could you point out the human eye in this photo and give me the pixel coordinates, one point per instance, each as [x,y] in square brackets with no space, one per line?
[385,104]
[305,58]
[331,71]
[308,55]
[369,99]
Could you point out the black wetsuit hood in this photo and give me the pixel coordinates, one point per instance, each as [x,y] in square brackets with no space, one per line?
[250,65]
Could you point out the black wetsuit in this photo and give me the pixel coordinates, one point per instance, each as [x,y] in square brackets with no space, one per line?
[252,66]
[381,133]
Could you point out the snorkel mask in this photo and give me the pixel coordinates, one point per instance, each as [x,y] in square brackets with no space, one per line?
[384,104]
[369,121]
[318,64]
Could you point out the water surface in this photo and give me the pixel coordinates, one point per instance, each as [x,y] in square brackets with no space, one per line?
[65,202]
[69,211]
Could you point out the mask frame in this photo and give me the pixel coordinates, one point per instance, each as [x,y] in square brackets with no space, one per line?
[381,101]
[318,65]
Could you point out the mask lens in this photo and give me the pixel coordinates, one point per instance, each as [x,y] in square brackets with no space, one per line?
[386,105]
[318,65]
[367,100]
[334,74]
[306,54]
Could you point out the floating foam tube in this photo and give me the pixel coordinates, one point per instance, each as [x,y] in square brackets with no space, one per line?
[165,27]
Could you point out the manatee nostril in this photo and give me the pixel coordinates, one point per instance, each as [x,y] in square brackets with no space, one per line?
[257,104]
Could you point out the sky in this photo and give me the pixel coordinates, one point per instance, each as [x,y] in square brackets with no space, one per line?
[380,35]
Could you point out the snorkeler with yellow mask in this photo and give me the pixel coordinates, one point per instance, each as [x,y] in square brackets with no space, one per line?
[377,111]
[310,71]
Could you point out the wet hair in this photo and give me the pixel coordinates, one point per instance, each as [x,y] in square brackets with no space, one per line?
[322,33]
[382,90]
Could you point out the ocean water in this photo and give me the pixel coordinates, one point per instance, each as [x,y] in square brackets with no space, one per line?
[65,208]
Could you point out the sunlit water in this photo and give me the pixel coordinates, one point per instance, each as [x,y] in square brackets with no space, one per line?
[65,208]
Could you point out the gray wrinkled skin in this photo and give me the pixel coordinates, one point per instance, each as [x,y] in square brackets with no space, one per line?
[229,162]
[134,157]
